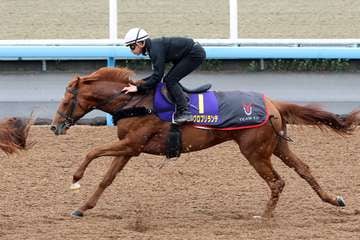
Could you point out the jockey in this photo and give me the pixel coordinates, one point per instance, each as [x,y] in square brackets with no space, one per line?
[185,54]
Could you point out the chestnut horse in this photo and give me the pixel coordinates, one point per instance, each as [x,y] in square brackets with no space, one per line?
[13,134]
[102,90]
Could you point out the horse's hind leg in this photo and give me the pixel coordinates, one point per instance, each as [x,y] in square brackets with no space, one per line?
[264,168]
[258,152]
[291,160]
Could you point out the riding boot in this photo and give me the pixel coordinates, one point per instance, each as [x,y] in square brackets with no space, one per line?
[183,117]
[182,113]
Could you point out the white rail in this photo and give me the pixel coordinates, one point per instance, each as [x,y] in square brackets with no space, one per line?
[206,42]
[233,19]
[113,19]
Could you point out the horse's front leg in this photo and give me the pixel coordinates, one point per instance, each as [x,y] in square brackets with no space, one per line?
[114,149]
[116,166]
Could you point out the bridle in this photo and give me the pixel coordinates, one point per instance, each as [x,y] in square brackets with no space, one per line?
[71,120]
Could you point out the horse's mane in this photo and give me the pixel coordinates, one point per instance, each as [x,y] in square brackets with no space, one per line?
[13,134]
[123,75]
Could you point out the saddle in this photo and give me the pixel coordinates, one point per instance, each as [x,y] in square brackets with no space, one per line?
[186,91]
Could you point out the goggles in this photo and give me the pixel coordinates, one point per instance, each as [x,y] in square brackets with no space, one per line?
[132,46]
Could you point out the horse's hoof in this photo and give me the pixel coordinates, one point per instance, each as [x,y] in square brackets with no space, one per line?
[75,186]
[77,214]
[340,200]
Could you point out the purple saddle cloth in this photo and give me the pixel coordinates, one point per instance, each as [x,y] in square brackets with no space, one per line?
[221,110]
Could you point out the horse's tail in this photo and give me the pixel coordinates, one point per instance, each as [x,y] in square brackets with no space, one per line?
[313,115]
[14,133]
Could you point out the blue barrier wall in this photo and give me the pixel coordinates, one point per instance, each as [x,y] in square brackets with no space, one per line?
[223,52]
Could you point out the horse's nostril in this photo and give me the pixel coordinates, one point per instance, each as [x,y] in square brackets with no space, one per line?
[53,128]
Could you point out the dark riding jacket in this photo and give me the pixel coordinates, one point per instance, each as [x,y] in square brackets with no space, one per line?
[161,51]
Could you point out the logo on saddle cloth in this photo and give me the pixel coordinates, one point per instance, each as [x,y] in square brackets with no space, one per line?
[220,110]
[247,109]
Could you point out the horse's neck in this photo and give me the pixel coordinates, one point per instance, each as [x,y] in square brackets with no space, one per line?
[137,100]
[142,100]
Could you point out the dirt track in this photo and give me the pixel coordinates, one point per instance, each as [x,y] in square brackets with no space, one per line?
[199,19]
[212,194]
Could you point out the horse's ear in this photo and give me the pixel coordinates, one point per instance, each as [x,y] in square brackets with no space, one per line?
[77,80]
[88,80]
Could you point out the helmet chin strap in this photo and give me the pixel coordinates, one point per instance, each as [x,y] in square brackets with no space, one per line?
[144,49]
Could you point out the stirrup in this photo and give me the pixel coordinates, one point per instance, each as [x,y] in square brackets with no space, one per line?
[185,117]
